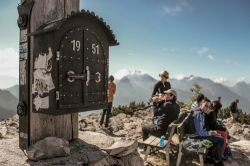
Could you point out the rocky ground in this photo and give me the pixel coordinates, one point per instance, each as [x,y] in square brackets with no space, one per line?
[100,146]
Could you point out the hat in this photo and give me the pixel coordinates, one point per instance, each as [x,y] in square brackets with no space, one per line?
[164,74]
[171,91]
[111,78]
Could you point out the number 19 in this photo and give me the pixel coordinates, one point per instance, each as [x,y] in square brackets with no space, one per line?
[76,45]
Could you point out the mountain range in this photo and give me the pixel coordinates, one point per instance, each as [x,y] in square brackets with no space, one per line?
[138,87]
[8,104]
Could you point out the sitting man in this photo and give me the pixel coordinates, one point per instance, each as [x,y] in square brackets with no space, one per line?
[165,113]
[218,141]
[195,105]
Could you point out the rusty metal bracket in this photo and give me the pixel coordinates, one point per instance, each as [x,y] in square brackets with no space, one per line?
[24,11]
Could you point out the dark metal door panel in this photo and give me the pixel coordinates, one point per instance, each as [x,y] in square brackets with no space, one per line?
[71,62]
[95,59]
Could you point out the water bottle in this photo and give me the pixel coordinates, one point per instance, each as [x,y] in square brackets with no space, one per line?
[162,139]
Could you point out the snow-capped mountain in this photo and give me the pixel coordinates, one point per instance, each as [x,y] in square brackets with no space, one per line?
[138,87]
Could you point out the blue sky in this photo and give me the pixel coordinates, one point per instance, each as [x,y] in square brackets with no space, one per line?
[208,38]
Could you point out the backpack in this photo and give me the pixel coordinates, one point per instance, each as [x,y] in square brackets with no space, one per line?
[189,126]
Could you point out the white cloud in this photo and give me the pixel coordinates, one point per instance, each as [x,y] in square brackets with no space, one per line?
[202,50]
[220,80]
[230,83]
[179,76]
[211,57]
[124,72]
[9,62]
[172,10]
[241,79]
[182,5]
[121,73]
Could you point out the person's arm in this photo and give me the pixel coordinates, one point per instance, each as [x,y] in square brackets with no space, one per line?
[169,85]
[199,125]
[114,90]
[164,108]
[155,89]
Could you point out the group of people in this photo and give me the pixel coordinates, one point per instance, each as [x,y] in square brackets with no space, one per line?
[205,114]
[166,110]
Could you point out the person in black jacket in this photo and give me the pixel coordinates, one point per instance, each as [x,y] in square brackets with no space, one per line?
[217,108]
[234,109]
[164,114]
[163,84]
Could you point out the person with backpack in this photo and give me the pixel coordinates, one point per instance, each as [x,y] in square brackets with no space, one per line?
[111,92]
[165,113]
[218,141]
[234,109]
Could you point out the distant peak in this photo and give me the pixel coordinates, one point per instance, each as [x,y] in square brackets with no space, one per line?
[125,72]
[191,77]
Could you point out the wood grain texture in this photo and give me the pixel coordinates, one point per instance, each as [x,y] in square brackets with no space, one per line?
[42,125]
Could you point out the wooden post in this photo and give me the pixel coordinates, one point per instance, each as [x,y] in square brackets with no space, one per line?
[43,125]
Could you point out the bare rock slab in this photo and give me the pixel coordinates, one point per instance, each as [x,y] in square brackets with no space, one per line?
[122,147]
[98,139]
[3,131]
[49,147]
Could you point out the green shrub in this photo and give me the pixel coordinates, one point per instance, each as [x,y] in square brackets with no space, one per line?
[128,109]
[242,116]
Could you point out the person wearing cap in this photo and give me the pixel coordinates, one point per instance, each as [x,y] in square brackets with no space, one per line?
[111,92]
[234,109]
[163,84]
[164,114]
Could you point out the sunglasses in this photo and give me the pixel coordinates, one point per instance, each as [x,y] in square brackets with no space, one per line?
[168,94]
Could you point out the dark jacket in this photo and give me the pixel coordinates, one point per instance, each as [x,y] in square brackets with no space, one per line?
[211,122]
[233,107]
[217,107]
[165,114]
[160,87]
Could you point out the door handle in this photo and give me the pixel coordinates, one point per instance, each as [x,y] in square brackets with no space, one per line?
[71,76]
[88,75]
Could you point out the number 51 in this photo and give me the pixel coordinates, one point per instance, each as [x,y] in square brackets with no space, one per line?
[95,49]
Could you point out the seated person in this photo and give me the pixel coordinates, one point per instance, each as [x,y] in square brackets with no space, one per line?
[199,121]
[164,114]
[211,123]
[195,105]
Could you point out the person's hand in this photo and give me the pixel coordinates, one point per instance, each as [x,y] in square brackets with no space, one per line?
[155,99]
[214,133]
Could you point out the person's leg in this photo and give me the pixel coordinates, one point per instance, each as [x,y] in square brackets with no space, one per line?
[150,130]
[108,114]
[217,143]
[103,114]
[224,135]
